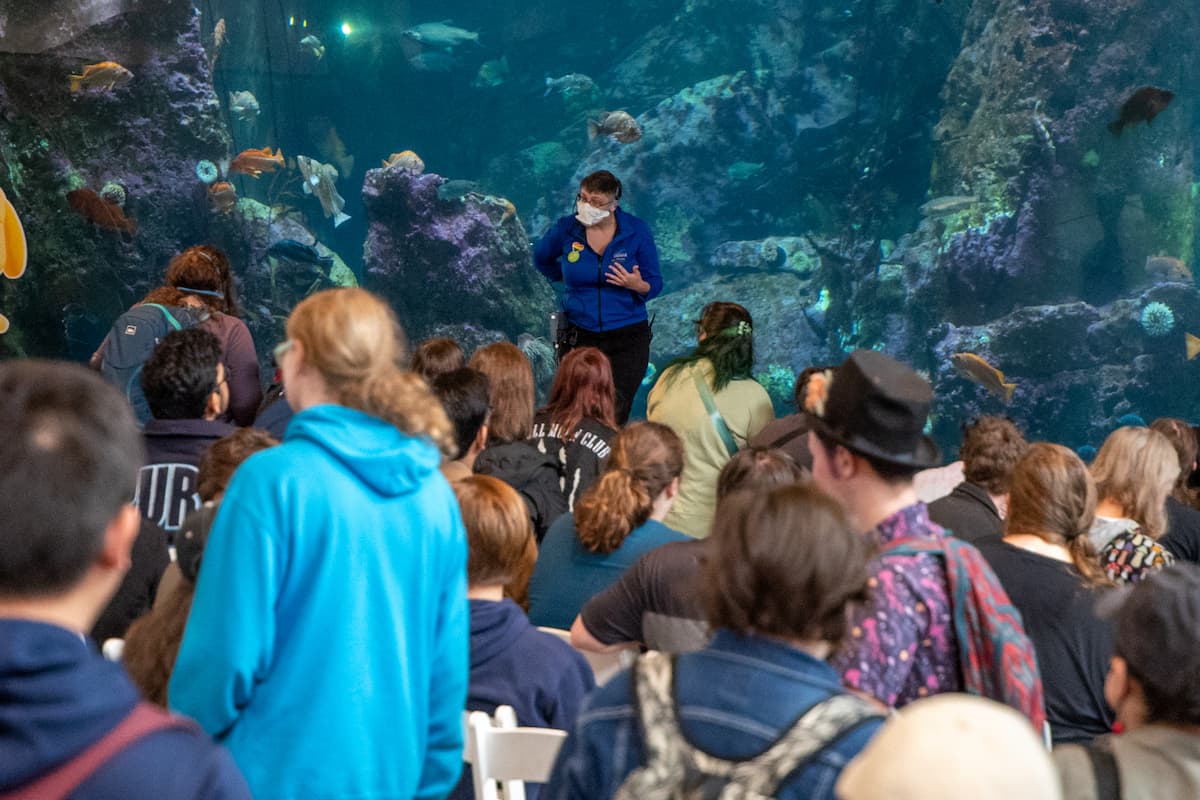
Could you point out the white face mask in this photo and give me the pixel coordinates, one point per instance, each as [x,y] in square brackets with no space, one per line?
[588,214]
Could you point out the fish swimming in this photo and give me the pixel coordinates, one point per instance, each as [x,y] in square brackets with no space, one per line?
[14,253]
[1142,106]
[319,181]
[243,105]
[617,124]
[299,252]
[106,75]
[571,84]
[1193,345]
[314,46]
[223,197]
[441,34]
[256,162]
[1168,268]
[975,369]
[456,190]
[407,161]
[218,42]
[491,73]
[102,212]
[950,204]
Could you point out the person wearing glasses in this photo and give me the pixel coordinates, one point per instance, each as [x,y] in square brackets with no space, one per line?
[608,264]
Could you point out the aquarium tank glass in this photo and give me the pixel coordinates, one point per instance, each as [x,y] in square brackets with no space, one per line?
[1002,193]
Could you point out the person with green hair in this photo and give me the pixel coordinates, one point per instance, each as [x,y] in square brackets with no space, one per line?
[710,399]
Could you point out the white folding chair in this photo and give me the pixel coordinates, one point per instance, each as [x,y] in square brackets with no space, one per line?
[604,665]
[506,753]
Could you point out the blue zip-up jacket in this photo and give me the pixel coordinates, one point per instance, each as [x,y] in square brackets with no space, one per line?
[734,698]
[58,697]
[327,643]
[589,301]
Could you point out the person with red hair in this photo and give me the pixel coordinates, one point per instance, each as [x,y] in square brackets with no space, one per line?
[578,423]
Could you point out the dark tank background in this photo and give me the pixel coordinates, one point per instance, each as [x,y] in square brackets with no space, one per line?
[927,178]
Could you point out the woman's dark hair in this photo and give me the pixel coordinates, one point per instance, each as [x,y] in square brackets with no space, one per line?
[602,182]
[990,450]
[645,458]
[727,342]
[583,389]
[1053,497]
[510,384]
[223,458]
[435,357]
[1183,439]
[204,271]
[464,396]
[757,468]
[783,562]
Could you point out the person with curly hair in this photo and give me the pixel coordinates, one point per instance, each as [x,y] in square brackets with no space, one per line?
[617,520]
[709,398]
[974,510]
[330,621]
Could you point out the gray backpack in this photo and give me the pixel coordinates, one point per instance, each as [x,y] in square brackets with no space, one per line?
[677,770]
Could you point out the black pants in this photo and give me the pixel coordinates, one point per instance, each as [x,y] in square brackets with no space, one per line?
[628,350]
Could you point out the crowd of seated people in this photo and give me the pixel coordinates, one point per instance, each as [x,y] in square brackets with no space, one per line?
[798,622]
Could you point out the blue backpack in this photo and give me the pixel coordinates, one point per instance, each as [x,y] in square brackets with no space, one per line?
[133,338]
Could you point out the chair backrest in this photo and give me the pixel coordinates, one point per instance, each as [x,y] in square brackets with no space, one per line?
[604,665]
[510,754]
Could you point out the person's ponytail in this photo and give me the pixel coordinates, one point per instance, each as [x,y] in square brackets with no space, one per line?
[609,511]
[1087,561]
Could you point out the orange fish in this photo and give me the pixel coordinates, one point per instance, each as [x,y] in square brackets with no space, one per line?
[256,162]
[13,254]
[105,75]
[101,211]
[223,196]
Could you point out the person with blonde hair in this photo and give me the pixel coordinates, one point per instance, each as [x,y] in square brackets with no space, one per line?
[327,642]
[1135,472]
[512,663]
[1050,570]
[615,521]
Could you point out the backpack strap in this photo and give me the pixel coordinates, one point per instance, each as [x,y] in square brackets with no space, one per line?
[143,720]
[1104,770]
[710,405]
[675,767]
[174,323]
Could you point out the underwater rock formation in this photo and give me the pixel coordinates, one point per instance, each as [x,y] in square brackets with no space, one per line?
[465,258]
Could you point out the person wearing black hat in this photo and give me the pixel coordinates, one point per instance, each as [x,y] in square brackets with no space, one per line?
[1153,688]
[867,441]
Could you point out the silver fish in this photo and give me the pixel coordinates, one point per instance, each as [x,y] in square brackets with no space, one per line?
[441,34]
[319,181]
[313,45]
[571,84]
[243,105]
[617,124]
[491,73]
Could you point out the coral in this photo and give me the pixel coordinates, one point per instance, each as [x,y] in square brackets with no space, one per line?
[207,171]
[114,192]
[1157,319]
[779,381]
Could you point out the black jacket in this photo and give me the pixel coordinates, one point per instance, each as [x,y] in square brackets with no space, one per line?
[968,513]
[1183,531]
[536,476]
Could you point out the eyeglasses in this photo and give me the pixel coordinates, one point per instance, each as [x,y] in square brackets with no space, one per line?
[596,202]
[280,349]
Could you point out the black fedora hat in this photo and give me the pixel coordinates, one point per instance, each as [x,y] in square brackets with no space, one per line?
[877,407]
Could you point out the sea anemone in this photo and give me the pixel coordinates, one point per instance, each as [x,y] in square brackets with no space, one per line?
[207,171]
[114,192]
[1131,420]
[1157,319]
[1086,452]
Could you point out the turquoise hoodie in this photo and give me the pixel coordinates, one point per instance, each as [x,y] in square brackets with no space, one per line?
[327,643]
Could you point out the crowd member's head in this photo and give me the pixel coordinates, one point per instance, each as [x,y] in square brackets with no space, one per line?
[784,562]
[345,346]
[510,385]
[184,377]
[642,477]
[725,337]
[800,390]
[464,396]
[1183,438]
[867,439]
[1053,497]
[950,747]
[1152,677]
[502,549]
[435,357]
[71,451]
[201,272]
[600,189]
[991,448]
[758,468]
[583,389]
[223,458]
[1136,469]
